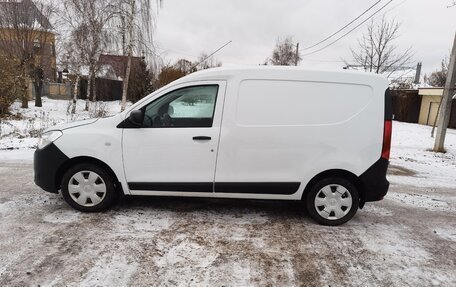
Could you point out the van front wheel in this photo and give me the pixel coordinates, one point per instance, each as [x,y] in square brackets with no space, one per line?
[332,201]
[88,188]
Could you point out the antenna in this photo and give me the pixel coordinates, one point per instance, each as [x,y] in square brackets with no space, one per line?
[210,55]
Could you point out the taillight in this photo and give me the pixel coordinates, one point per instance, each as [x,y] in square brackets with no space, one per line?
[387,139]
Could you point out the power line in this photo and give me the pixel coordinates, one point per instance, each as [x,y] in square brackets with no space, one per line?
[330,36]
[381,8]
[394,7]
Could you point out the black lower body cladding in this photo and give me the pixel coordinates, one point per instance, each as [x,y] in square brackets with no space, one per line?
[375,184]
[46,163]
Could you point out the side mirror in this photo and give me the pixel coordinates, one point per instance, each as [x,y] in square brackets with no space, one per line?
[136,118]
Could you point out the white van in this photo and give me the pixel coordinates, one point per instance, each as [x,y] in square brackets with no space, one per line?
[279,133]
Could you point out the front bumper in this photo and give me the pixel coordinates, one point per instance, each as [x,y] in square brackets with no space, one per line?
[375,184]
[46,164]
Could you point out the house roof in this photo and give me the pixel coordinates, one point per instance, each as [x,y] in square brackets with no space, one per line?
[22,12]
[118,63]
[431,91]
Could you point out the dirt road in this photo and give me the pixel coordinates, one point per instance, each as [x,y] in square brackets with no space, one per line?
[408,239]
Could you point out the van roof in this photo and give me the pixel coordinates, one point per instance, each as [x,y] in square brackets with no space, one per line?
[282,73]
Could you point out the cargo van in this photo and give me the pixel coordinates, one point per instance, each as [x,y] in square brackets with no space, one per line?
[278,133]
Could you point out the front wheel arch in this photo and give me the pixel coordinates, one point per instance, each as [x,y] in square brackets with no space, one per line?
[90,160]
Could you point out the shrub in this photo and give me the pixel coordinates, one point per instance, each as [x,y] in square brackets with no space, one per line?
[8,84]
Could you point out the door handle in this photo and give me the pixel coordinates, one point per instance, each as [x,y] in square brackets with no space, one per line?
[201,138]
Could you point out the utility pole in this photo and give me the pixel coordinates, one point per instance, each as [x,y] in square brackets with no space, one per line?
[297,54]
[417,73]
[445,109]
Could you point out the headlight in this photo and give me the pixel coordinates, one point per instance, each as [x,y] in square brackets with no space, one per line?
[48,137]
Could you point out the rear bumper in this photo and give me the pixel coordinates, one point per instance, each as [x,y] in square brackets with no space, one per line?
[46,163]
[375,184]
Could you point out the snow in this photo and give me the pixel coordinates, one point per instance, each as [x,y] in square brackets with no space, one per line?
[206,242]
[446,234]
[427,202]
[21,130]
[113,270]
[411,149]
[150,222]
[62,217]
[22,155]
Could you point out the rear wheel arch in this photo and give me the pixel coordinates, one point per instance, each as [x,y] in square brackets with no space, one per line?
[85,159]
[337,173]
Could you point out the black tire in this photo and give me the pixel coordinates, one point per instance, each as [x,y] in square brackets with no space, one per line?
[333,182]
[104,177]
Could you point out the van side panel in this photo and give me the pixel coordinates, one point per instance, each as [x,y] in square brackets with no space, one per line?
[285,131]
[271,103]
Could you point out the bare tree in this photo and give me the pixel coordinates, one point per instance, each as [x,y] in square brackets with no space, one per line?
[438,78]
[204,62]
[26,35]
[137,22]
[184,65]
[376,51]
[73,60]
[91,33]
[284,53]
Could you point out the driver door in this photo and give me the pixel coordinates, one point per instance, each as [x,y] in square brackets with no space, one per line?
[174,152]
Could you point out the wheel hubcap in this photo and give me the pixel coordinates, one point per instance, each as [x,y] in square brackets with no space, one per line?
[87,188]
[333,202]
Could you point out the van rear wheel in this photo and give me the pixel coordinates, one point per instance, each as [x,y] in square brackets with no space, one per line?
[88,188]
[332,201]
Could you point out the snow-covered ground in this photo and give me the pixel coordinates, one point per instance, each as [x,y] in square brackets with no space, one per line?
[408,239]
[21,130]
[414,163]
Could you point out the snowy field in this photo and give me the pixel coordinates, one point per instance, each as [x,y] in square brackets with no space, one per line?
[408,239]
[411,149]
[21,130]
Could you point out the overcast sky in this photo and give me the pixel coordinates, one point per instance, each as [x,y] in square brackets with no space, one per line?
[187,28]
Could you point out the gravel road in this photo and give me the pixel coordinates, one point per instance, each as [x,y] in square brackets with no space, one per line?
[408,239]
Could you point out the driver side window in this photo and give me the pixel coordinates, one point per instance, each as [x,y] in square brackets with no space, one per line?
[183,108]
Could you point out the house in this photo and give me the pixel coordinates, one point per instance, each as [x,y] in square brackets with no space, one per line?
[420,106]
[429,109]
[26,34]
[114,67]
[110,76]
